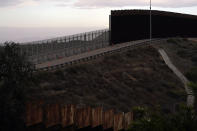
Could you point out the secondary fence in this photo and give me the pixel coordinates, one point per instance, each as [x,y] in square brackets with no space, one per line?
[78,117]
[57,48]
[67,61]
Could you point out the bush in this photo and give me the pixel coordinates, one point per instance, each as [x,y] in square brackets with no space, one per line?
[192,75]
[139,112]
[194,87]
[183,119]
[173,41]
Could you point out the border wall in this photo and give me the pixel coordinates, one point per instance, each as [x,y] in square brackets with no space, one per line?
[129,25]
[77,117]
[57,48]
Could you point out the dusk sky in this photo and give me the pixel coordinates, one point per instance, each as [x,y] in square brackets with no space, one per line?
[27,20]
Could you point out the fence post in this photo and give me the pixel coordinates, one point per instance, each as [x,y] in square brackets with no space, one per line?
[97,117]
[118,121]
[34,113]
[52,115]
[67,115]
[83,117]
[128,118]
[108,119]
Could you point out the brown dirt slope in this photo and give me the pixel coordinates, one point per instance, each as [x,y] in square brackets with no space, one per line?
[120,81]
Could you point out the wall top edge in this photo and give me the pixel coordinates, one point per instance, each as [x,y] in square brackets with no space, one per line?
[153,12]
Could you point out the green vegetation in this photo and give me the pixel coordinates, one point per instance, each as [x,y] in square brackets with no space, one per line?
[194,87]
[188,51]
[15,77]
[176,40]
[183,53]
[192,75]
[184,119]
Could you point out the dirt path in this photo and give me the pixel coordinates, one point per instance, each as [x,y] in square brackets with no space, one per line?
[190,96]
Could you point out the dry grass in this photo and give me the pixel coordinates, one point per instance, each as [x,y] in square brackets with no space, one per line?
[121,81]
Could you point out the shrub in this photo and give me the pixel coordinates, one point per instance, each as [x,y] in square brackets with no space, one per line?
[173,41]
[192,75]
[194,87]
[183,119]
[139,112]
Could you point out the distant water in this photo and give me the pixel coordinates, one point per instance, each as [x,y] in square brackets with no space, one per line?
[33,34]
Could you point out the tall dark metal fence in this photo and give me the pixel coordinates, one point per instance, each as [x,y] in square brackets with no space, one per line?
[129,25]
[57,48]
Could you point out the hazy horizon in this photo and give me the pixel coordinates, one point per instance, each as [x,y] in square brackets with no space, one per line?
[28,34]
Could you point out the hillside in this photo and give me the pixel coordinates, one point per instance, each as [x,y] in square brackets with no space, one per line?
[183,53]
[119,81]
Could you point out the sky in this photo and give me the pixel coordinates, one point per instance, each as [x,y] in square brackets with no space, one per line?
[28,20]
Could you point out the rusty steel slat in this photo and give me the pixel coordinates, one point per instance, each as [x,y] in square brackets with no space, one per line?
[97,114]
[83,117]
[108,119]
[118,121]
[52,115]
[67,115]
[34,113]
[128,118]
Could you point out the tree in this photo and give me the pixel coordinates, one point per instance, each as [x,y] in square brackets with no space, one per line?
[15,76]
